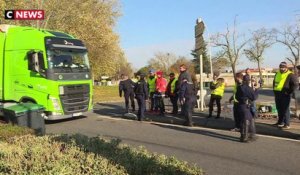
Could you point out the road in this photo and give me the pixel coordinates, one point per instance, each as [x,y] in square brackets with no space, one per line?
[216,151]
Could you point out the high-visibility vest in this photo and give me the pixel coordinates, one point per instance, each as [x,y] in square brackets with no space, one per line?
[280,79]
[219,90]
[173,85]
[234,93]
[152,84]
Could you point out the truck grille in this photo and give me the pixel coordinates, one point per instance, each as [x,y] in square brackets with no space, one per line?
[76,98]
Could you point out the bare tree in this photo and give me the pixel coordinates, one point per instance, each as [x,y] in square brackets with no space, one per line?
[220,62]
[231,45]
[260,41]
[162,61]
[290,37]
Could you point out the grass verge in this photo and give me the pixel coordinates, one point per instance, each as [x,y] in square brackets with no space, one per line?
[106,94]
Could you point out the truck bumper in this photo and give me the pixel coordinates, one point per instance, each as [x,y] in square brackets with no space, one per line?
[55,116]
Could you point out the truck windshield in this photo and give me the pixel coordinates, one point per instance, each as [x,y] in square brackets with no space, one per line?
[68,61]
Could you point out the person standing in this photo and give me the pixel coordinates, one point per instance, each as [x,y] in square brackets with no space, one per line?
[141,95]
[161,85]
[244,95]
[126,85]
[172,92]
[187,97]
[284,84]
[184,74]
[237,119]
[217,87]
[151,86]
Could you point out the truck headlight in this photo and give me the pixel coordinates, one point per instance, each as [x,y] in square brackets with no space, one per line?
[55,103]
[61,90]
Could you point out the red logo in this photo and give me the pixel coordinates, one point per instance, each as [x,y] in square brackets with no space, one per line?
[24,14]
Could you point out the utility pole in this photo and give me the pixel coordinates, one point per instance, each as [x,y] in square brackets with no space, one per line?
[199,29]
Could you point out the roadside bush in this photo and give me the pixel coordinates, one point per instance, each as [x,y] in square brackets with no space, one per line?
[79,154]
[42,155]
[8,131]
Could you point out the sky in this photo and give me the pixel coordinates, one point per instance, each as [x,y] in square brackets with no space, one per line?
[147,27]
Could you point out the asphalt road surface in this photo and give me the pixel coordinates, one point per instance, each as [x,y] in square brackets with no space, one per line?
[216,151]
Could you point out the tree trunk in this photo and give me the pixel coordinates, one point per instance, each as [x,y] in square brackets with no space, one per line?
[233,70]
[260,73]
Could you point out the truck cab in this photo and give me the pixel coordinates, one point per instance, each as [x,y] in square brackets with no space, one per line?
[46,67]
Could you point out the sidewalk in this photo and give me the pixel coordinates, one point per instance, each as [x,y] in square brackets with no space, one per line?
[263,126]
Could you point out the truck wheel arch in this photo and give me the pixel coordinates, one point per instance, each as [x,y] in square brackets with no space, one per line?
[27,100]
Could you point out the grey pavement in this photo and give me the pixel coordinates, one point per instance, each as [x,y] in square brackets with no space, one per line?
[263,125]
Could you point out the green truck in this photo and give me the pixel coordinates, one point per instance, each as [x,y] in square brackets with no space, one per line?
[45,67]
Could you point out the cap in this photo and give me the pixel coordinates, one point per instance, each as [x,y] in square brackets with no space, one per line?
[283,64]
[151,71]
[171,74]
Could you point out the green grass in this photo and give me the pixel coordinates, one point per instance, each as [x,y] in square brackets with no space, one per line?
[106,94]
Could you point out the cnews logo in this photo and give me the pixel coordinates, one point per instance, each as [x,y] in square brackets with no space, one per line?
[24,14]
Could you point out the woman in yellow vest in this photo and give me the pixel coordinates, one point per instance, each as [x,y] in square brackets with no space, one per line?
[217,91]
[284,84]
[151,87]
[172,92]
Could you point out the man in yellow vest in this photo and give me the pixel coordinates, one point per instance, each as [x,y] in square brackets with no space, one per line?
[284,84]
[217,87]
[172,92]
[151,87]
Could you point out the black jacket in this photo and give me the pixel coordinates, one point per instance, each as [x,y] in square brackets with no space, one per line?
[126,86]
[141,88]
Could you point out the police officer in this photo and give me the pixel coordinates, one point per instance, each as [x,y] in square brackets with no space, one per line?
[244,95]
[141,95]
[172,92]
[284,84]
[151,86]
[237,119]
[187,98]
[217,87]
[126,85]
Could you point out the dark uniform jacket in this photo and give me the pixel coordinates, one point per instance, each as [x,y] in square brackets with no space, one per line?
[126,86]
[183,75]
[187,91]
[141,88]
[244,95]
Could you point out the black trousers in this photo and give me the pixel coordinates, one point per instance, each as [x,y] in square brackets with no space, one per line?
[152,105]
[214,98]
[247,122]
[174,100]
[127,96]
[188,107]
[159,101]
[283,107]
[142,106]
[237,118]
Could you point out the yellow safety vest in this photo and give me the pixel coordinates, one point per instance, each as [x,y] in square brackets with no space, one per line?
[219,90]
[173,85]
[234,92]
[280,79]
[152,84]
